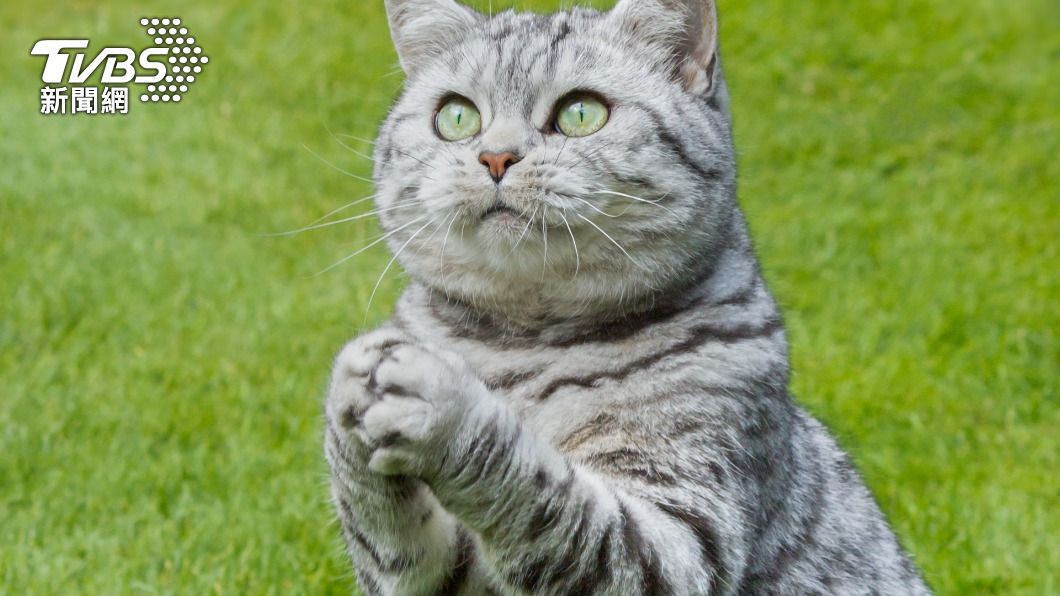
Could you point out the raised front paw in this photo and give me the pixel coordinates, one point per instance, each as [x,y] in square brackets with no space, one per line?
[349,395]
[402,401]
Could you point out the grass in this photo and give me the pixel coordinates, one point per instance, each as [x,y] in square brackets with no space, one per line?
[162,364]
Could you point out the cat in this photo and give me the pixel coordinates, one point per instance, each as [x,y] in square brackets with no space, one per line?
[584,387]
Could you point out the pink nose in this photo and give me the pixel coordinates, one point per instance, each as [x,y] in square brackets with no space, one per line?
[498,163]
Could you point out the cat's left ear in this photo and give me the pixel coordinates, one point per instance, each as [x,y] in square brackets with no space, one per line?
[422,28]
[685,32]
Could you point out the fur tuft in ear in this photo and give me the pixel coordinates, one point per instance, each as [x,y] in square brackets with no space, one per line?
[420,28]
[685,33]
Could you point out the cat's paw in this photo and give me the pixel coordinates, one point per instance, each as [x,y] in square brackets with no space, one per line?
[350,394]
[421,398]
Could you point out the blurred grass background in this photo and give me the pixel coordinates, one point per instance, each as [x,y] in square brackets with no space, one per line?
[162,364]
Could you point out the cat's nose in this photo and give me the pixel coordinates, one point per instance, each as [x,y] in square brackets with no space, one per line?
[498,163]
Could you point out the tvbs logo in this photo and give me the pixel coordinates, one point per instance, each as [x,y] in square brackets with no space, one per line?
[118,63]
[168,68]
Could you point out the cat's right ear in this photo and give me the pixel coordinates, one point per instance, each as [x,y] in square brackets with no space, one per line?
[422,28]
[685,34]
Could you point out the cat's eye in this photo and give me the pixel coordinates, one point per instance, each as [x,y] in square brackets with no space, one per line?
[457,119]
[581,115]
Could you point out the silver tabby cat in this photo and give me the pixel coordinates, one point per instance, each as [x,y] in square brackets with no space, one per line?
[583,390]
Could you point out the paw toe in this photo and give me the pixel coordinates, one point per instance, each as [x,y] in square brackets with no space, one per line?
[350,417]
[389,462]
[396,419]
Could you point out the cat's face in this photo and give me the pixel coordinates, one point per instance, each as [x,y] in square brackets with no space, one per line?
[563,163]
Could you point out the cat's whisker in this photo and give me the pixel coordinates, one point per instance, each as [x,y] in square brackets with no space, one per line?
[438,228]
[429,167]
[589,154]
[335,137]
[338,140]
[367,246]
[390,264]
[343,220]
[340,209]
[544,241]
[442,269]
[439,224]
[355,138]
[613,241]
[634,198]
[445,242]
[577,256]
[335,167]
[594,207]
[529,223]
[560,152]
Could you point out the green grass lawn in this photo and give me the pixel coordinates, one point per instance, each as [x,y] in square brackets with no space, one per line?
[162,363]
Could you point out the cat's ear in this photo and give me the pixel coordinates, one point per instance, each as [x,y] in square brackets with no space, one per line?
[421,28]
[685,32]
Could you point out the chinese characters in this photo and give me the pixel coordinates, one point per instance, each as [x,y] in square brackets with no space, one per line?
[84,100]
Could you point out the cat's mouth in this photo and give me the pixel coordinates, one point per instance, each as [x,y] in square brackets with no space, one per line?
[498,208]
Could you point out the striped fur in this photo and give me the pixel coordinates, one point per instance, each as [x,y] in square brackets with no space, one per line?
[590,398]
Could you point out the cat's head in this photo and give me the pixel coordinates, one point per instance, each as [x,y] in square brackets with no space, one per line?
[573,163]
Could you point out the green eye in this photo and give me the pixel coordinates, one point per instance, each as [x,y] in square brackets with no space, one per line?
[581,116]
[457,120]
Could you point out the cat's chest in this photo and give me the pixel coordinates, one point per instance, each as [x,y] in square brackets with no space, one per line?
[556,390]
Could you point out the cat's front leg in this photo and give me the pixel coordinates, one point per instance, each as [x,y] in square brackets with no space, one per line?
[543,524]
[400,539]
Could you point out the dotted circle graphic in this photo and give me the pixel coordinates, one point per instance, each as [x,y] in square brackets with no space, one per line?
[185,56]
